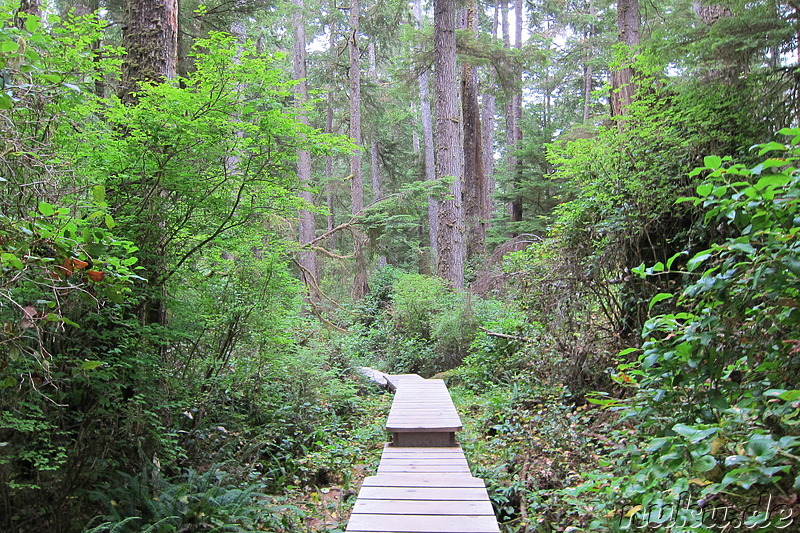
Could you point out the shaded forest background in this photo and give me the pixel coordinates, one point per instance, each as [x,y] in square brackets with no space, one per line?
[582,214]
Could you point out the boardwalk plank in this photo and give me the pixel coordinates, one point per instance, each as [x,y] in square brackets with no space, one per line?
[424,480]
[423,484]
[422,524]
[424,507]
[422,493]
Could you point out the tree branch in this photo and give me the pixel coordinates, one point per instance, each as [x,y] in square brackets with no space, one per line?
[505,336]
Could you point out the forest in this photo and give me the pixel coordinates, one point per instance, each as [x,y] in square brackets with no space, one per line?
[581,214]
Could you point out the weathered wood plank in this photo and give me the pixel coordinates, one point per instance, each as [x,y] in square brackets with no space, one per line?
[424,507]
[422,524]
[423,493]
[424,480]
[424,484]
[395,450]
[447,459]
[410,469]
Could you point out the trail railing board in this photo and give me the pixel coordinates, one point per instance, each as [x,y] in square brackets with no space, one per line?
[421,487]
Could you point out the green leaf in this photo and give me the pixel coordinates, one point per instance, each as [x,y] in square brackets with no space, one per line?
[733,460]
[52,78]
[12,260]
[705,463]
[771,146]
[656,444]
[658,298]
[8,46]
[704,189]
[110,222]
[763,448]
[673,258]
[698,259]
[712,161]
[5,101]
[743,247]
[694,435]
[91,365]
[790,395]
[775,179]
[99,194]
[32,24]
[46,209]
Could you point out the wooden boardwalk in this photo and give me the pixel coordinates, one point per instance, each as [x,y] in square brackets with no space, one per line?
[423,484]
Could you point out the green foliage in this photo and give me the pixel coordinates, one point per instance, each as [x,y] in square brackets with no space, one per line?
[417,300]
[414,323]
[180,199]
[493,359]
[714,403]
[211,501]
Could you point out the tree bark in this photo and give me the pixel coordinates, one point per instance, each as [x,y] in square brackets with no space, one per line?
[487,143]
[511,129]
[588,71]
[29,7]
[623,86]
[449,144]
[356,180]
[474,178]
[428,146]
[516,109]
[150,38]
[308,258]
[488,109]
[330,186]
[374,159]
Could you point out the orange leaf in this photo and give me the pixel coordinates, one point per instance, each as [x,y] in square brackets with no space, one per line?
[79,265]
[96,275]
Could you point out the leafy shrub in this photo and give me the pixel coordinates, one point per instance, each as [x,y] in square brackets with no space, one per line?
[417,301]
[712,417]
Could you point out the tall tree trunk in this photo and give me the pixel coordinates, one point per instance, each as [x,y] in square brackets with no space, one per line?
[588,73]
[150,38]
[308,260]
[487,144]
[516,109]
[374,159]
[330,186]
[356,180]
[415,142]
[474,178]
[488,108]
[330,189]
[449,155]
[29,7]
[428,146]
[623,86]
[511,129]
